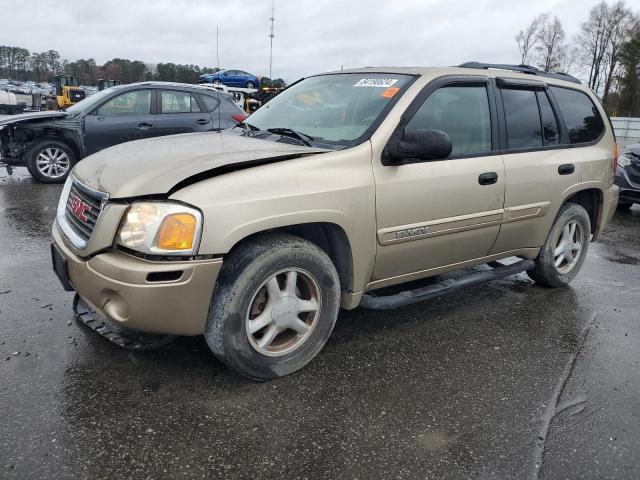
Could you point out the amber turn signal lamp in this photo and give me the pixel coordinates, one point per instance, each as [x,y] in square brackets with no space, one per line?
[177,232]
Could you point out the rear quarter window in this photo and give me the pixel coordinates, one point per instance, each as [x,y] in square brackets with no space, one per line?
[210,102]
[581,116]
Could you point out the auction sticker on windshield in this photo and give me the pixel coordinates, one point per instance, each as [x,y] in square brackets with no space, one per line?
[376,82]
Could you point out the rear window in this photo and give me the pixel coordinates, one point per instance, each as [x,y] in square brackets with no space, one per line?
[581,116]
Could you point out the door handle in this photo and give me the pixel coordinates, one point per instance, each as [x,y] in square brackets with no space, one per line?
[145,125]
[487,178]
[566,169]
[202,121]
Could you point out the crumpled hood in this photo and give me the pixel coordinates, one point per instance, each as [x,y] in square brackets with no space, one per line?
[156,165]
[26,117]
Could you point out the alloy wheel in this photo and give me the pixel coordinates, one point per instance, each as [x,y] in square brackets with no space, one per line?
[283,312]
[52,162]
[568,248]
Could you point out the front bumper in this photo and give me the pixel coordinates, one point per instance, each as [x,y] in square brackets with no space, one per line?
[118,285]
[629,190]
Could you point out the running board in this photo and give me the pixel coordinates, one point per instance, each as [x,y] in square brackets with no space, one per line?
[409,297]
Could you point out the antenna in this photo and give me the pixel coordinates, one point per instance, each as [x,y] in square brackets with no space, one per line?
[218,67]
[273,6]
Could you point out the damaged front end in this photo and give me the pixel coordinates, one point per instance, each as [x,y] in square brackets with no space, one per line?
[19,133]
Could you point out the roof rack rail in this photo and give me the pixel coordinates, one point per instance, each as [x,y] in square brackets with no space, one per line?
[522,69]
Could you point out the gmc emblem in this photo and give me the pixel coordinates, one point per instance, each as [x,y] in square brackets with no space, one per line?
[79,207]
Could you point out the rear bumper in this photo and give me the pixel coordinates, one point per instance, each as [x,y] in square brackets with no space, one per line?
[609,204]
[118,286]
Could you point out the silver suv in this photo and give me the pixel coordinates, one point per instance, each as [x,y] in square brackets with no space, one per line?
[345,183]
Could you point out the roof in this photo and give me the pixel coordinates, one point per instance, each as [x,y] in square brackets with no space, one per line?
[153,83]
[491,72]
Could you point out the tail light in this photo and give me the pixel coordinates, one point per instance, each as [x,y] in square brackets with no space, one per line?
[240,118]
[615,158]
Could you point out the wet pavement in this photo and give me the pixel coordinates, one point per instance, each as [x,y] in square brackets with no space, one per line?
[481,384]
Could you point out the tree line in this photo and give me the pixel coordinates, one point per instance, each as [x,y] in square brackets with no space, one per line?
[605,53]
[18,63]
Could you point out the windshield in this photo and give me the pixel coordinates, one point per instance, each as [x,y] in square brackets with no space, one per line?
[89,103]
[333,109]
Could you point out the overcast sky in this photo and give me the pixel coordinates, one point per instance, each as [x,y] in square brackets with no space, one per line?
[310,35]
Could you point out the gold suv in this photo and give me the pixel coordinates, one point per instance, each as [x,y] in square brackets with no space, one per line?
[344,184]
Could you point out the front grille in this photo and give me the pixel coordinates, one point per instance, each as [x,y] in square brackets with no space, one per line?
[633,171]
[82,210]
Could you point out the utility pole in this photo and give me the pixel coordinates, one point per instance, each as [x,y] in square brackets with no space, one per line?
[273,5]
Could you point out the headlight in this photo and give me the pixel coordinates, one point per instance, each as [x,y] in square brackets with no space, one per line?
[624,161]
[161,228]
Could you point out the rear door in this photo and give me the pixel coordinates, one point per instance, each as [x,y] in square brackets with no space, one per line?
[541,168]
[180,112]
[127,116]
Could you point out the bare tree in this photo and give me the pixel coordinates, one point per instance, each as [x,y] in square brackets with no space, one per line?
[550,45]
[528,38]
[621,23]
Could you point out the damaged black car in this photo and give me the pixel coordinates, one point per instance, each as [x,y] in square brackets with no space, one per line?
[49,143]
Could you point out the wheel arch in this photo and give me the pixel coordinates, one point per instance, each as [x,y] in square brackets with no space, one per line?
[592,200]
[59,135]
[328,236]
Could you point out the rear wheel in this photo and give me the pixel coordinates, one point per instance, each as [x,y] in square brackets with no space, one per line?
[273,307]
[565,249]
[50,161]
[250,85]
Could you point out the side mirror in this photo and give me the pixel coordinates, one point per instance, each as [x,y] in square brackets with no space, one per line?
[415,145]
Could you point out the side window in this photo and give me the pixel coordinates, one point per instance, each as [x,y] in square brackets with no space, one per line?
[136,102]
[550,132]
[581,116]
[174,101]
[210,103]
[522,117]
[460,111]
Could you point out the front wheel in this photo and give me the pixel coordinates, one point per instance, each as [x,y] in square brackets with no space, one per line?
[216,82]
[274,306]
[565,249]
[50,161]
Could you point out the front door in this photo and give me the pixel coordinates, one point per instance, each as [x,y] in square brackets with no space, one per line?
[123,118]
[434,214]
[179,112]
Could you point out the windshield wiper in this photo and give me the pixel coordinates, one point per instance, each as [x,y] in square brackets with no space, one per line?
[290,132]
[248,128]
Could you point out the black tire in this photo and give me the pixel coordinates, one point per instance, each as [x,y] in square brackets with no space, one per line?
[250,85]
[41,147]
[623,206]
[545,272]
[245,270]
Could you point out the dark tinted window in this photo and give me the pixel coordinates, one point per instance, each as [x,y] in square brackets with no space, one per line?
[461,112]
[210,102]
[580,115]
[523,118]
[549,123]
